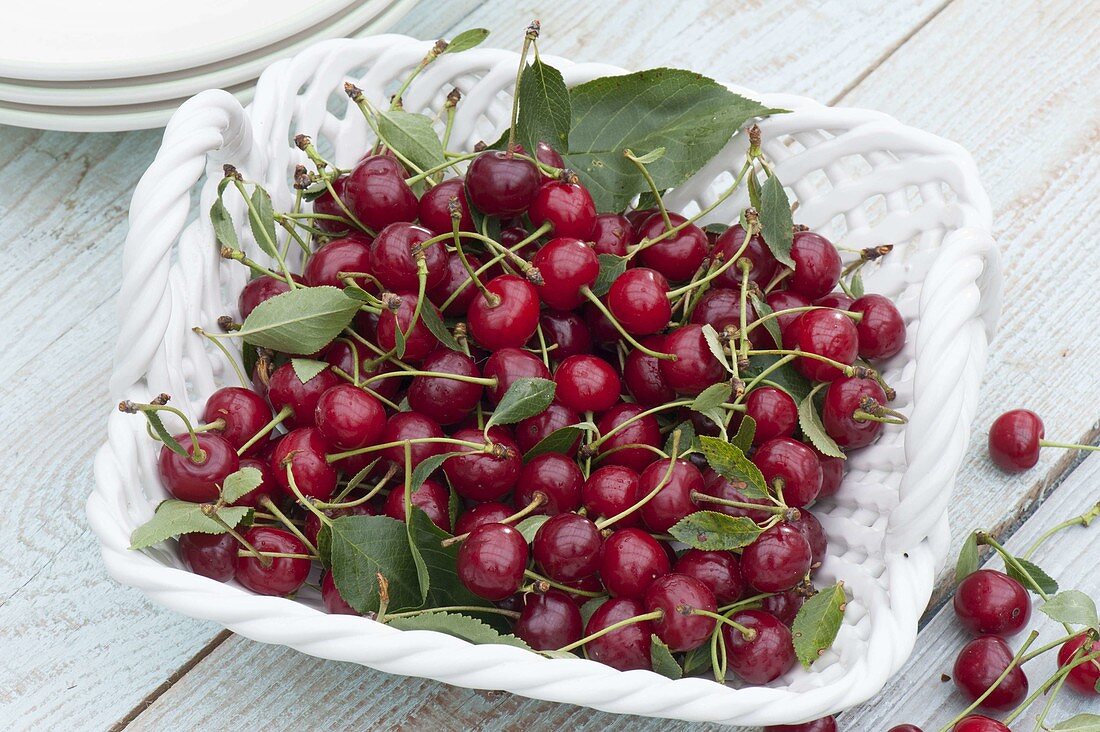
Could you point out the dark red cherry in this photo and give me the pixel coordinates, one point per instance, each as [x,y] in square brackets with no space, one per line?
[764,265]
[627,648]
[512,321]
[824,724]
[611,234]
[695,367]
[327,205]
[244,412]
[435,211]
[638,299]
[1014,440]
[881,330]
[636,219]
[499,184]
[393,262]
[641,431]
[445,400]
[566,206]
[547,156]
[642,375]
[304,450]
[631,559]
[566,264]
[283,575]
[285,389]
[482,513]
[988,602]
[843,398]
[784,605]
[350,254]
[774,411]
[905,728]
[267,486]
[835,300]
[722,307]
[491,561]
[512,236]
[211,555]
[766,657]
[676,595]
[609,491]
[777,560]
[782,458]
[549,621]
[343,354]
[377,194]
[785,300]
[719,571]
[1084,678]
[827,333]
[673,502]
[832,473]
[479,475]
[199,482]
[567,331]
[411,426]
[456,277]
[508,365]
[567,547]
[817,265]
[349,418]
[602,330]
[258,290]
[587,383]
[678,256]
[534,429]
[431,497]
[719,487]
[419,342]
[554,475]
[978,723]
[334,602]
[814,532]
[978,666]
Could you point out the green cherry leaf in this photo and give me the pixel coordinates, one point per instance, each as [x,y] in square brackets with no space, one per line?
[560,440]
[713,397]
[745,432]
[306,368]
[1079,723]
[611,266]
[439,329]
[261,218]
[715,346]
[530,526]
[525,398]
[731,463]
[413,136]
[437,565]
[590,607]
[817,623]
[1046,583]
[810,422]
[173,518]
[466,40]
[786,377]
[1072,606]
[967,563]
[362,547]
[663,661]
[545,113]
[776,224]
[241,483]
[713,531]
[688,439]
[460,626]
[224,230]
[856,285]
[164,435]
[299,321]
[762,308]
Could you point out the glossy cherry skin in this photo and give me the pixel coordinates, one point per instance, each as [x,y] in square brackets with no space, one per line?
[285,389]
[881,330]
[814,532]
[1083,678]
[498,184]
[376,192]
[721,307]
[988,602]
[267,486]
[482,513]
[211,555]
[777,560]
[767,656]
[549,621]
[599,326]
[827,333]
[774,411]
[643,430]
[567,547]
[587,383]
[835,300]
[678,256]
[784,605]
[905,728]
[419,342]
[478,475]
[1014,440]
[978,723]
[508,365]
[534,429]
[285,574]
[188,480]
[631,559]
[566,264]
[842,399]
[567,331]
[642,375]
[244,412]
[447,401]
[512,321]
[555,476]
[695,367]
[411,426]
[611,233]
[832,473]
[675,595]
[627,648]
[456,277]
[431,497]
[782,458]
[304,450]
[673,502]
[567,207]
[764,265]
[610,490]
[638,299]
[785,300]
[435,212]
[334,602]
[824,724]
[817,265]
[349,417]
[350,254]
[393,262]
[491,561]
[719,571]
[977,667]
[258,290]
[719,487]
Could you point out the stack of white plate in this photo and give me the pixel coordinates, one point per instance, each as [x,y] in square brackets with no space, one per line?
[100,65]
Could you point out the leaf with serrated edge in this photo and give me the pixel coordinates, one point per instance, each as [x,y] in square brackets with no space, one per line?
[430,316]
[967,563]
[429,465]
[712,397]
[261,218]
[745,432]
[466,40]
[241,483]
[1079,723]
[560,440]
[731,464]
[413,136]
[661,657]
[715,346]
[525,398]
[299,321]
[810,422]
[713,531]
[776,225]
[460,626]
[817,623]
[307,368]
[762,308]
[362,547]
[611,266]
[442,587]
[174,518]
[530,526]
[1072,606]
[1044,580]
[544,109]
[753,185]
[224,230]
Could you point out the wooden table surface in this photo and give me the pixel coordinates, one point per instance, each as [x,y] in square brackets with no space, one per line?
[1016,82]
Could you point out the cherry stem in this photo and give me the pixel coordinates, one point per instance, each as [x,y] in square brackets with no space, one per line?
[267,503]
[784,274]
[529,36]
[631,446]
[529,271]
[592,297]
[433,53]
[745,267]
[306,503]
[1049,646]
[370,114]
[271,245]
[748,634]
[481,380]
[484,268]
[217,424]
[1016,661]
[641,415]
[605,522]
[537,500]
[547,582]
[382,355]
[1068,446]
[351,380]
[285,412]
[629,155]
[654,615]
[856,317]
[439,168]
[714,272]
[788,514]
[1083,520]
[278,555]
[364,498]
[211,512]
[239,256]
[1061,672]
[198,455]
[228,356]
[481,447]
[491,298]
[542,345]
[456,609]
[846,369]
[761,376]
[746,602]
[1011,561]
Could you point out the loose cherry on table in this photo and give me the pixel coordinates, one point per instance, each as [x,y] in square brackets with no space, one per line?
[492,560]
[978,666]
[1085,677]
[988,602]
[549,620]
[1015,438]
[824,724]
[556,477]
[978,723]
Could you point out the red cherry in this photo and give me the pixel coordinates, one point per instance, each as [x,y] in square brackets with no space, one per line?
[304,450]
[334,602]
[549,621]
[411,426]
[777,560]
[978,723]
[626,648]
[719,571]
[675,595]
[842,400]
[795,464]
[210,555]
[482,476]
[609,491]
[508,365]
[350,254]
[199,482]
[259,290]
[349,418]
[499,184]
[267,481]
[435,211]
[447,401]
[673,502]
[832,473]
[554,475]
[814,532]
[566,265]
[456,276]
[631,559]
[636,218]
[534,429]
[285,389]
[419,342]
[678,256]
[393,262]
[988,602]
[638,299]
[344,353]
[567,331]
[244,412]
[827,333]
[817,265]
[979,664]
[283,575]
[642,375]
[376,192]
[431,497]
[567,547]
[835,300]
[547,156]
[719,487]
[785,300]
[587,384]
[784,605]
[512,236]
[766,657]
[482,513]
[774,411]
[695,367]
[881,330]
[1014,440]
[509,323]
[611,234]
[641,431]
[764,264]
[825,724]
[567,207]
[722,307]
[1083,678]
[602,330]
[491,561]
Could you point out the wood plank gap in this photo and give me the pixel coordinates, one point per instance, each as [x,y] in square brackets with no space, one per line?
[178,674]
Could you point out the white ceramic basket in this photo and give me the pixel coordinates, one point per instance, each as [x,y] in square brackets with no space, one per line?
[859,176]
